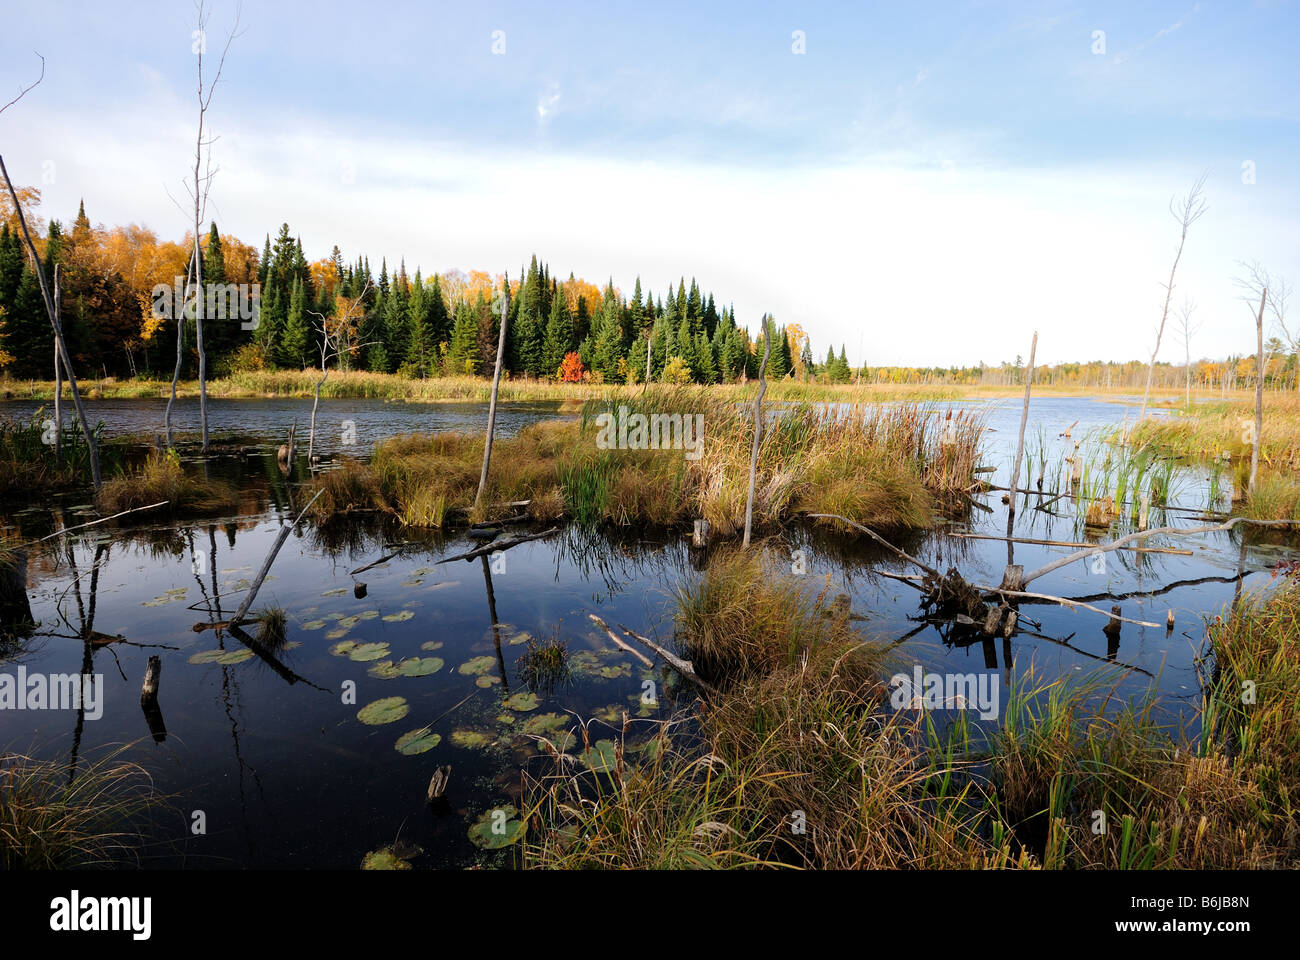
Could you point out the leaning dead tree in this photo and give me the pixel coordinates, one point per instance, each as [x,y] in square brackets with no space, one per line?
[496,385]
[50,309]
[203,174]
[1191,209]
[758,426]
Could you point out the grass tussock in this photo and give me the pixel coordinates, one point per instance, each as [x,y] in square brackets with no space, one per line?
[161,477]
[801,761]
[49,823]
[677,454]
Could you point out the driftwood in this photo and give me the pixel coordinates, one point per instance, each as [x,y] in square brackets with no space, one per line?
[438,783]
[242,612]
[1067,543]
[82,526]
[684,667]
[496,545]
[619,642]
[1142,534]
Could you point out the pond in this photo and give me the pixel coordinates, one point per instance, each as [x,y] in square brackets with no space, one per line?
[267,751]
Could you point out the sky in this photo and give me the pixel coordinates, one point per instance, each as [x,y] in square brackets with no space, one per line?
[924,183]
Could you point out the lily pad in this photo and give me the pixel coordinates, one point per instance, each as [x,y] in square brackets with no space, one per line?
[412,583]
[313,625]
[368,614]
[224,657]
[497,828]
[364,652]
[477,666]
[611,673]
[390,858]
[420,666]
[386,710]
[487,680]
[471,739]
[399,616]
[522,702]
[417,741]
[349,622]
[431,645]
[336,633]
[337,592]
[601,756]
[343,649]
[387,670]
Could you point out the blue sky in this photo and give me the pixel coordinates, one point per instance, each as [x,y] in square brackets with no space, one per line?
[970,171]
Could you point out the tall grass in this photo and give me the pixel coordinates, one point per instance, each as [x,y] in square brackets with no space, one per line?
[47,822]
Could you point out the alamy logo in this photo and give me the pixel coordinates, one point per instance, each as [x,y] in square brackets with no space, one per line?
[53,691]
[656,431]
[74,913]
[221,301]
[946,691]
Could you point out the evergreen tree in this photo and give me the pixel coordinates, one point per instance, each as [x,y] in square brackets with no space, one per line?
[297,338]
[559,335]
[463,350]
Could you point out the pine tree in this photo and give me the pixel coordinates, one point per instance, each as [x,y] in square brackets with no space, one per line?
[297,337]
[463,350]
[559,336]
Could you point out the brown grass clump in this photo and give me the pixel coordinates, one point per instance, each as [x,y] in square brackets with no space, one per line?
[163,478]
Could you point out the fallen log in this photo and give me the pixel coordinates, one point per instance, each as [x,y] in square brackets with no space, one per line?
[82,526]
[620,643]
[684,667]
[500,545]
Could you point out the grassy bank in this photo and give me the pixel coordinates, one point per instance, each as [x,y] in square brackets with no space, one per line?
[801,761]
[1219,434]
[893,466]
[384,386]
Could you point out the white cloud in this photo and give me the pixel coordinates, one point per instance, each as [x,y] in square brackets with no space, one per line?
[903,265]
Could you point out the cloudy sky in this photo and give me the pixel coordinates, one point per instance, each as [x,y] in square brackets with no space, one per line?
[924,183]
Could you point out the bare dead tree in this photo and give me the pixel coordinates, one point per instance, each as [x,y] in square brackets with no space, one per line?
[504,302]
[335,343]
[203,175]
[768,331]
[1191,209]
[1186,328]
[1278,294]
[1257,283]
[50,308]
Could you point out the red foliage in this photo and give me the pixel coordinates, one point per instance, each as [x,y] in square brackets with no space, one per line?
[571,369]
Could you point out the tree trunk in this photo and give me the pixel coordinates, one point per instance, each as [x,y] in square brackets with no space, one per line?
[1259,391]
[758,430]
[496,385]
[62,346]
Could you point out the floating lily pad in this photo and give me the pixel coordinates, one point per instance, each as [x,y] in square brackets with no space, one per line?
[313,625]
[471,739]
[368,614]
[387,670]
[487,680]
[540,723]
[522,702]
[417,741]
[519,638]
[336,633]
[478,665]
[387,710]
[601,756]
[223,657]
[562,740]
[365,652]
[611,673]
[497,828]
[391,858]
[431,645]
[399,616]
[420,666]
[342,649]
[337,592]
[412,583]
[349,622]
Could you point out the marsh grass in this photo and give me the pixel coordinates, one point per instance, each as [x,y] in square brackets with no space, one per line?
[162,477]
[31,466]
[894,466]
[544,665]
[1072,776]
[48,823]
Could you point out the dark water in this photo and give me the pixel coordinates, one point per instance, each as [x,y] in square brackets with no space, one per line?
[272,753]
